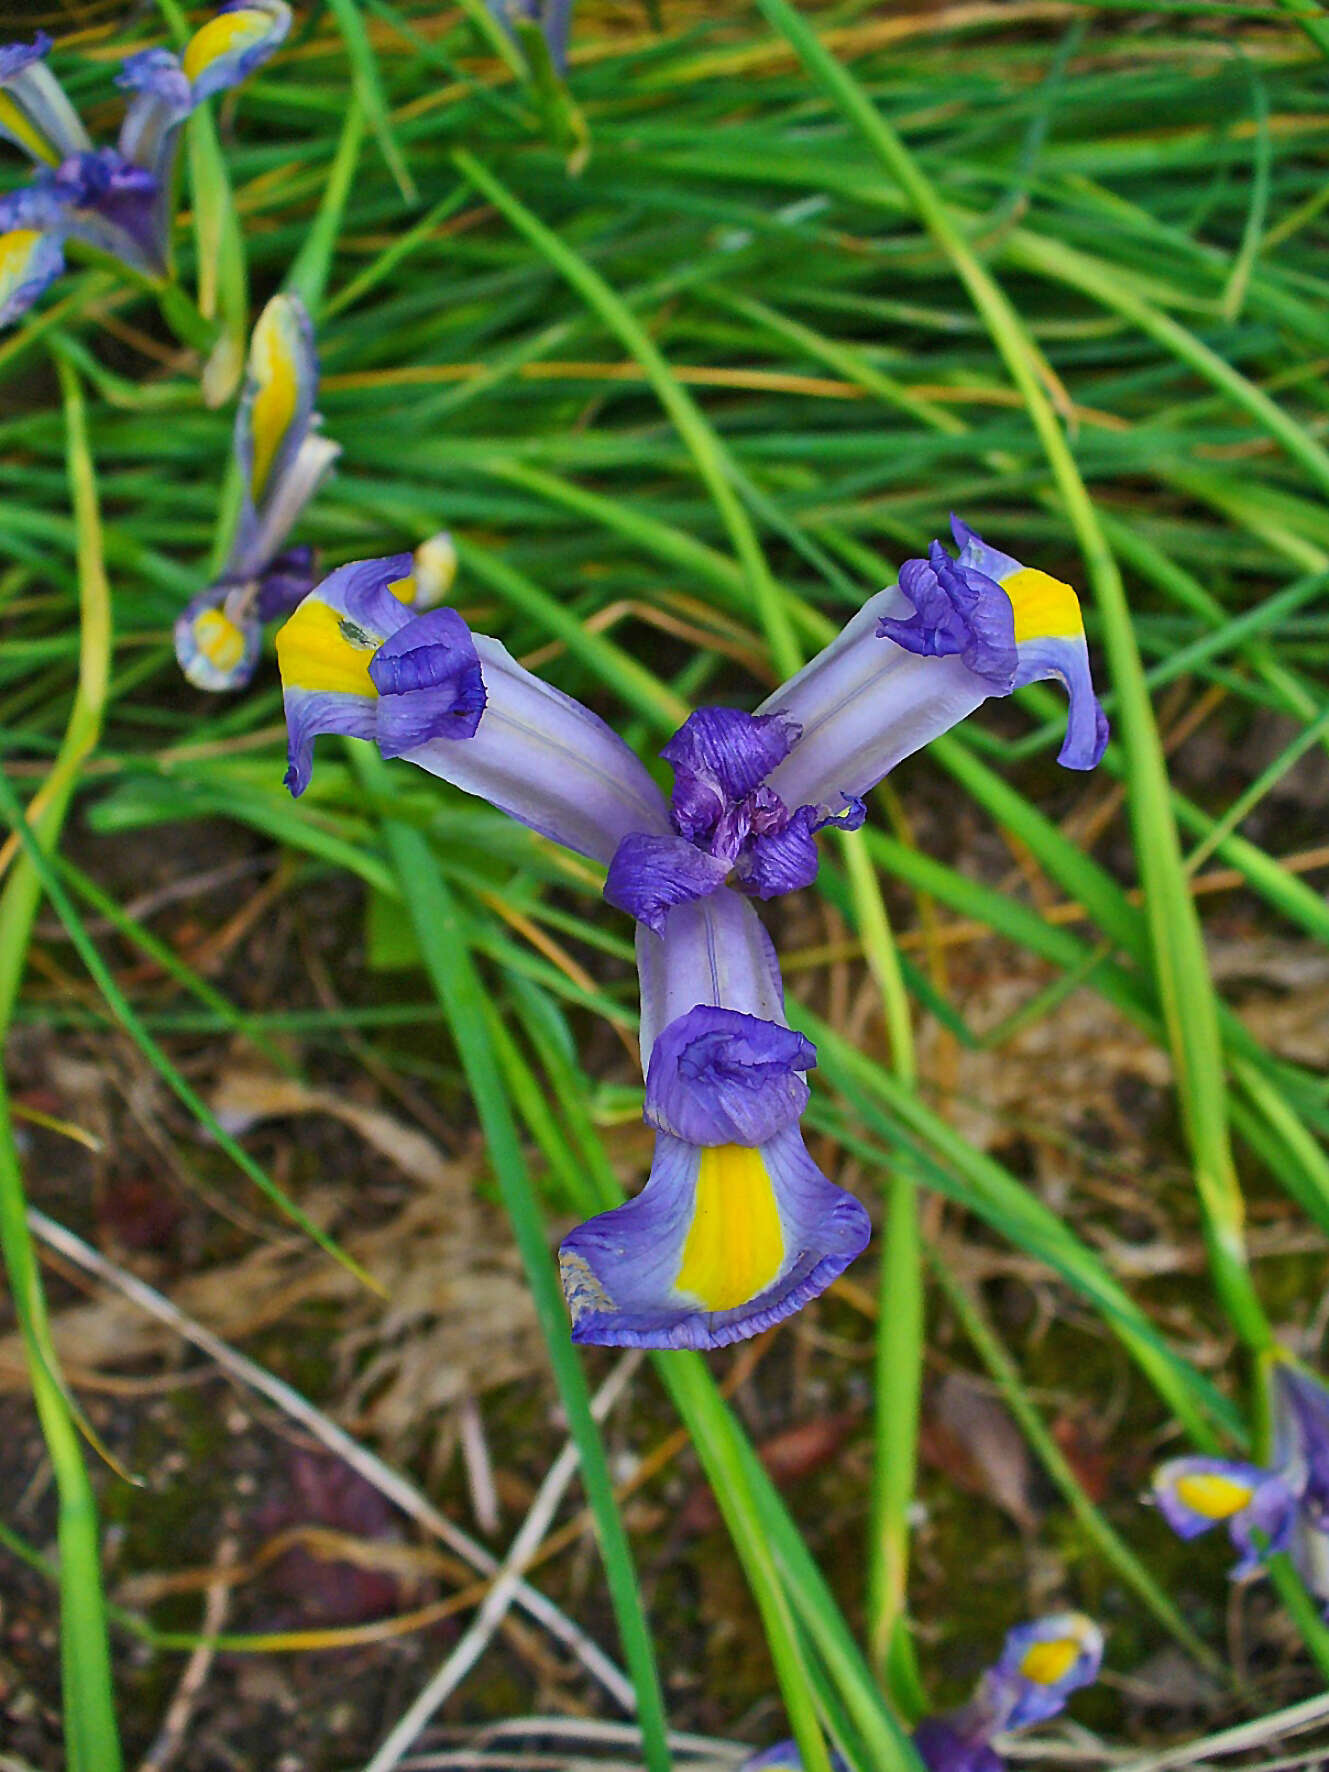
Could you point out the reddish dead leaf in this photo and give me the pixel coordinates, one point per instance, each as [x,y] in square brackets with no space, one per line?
[1084,1451]
[789,1455]
[968,1434]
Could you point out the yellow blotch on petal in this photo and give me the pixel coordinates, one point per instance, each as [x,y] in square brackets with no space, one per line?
[218,639]
[16,248]
[320,648]
[16,124]
[1046,1663]
[1212,1494]
[735,1247]
[274,364]
[223,35]
[1045,608]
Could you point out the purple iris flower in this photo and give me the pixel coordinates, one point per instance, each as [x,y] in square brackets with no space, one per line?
[112,200]
[1041,1664]
[736,1227]
[1283,1506]
[283,459]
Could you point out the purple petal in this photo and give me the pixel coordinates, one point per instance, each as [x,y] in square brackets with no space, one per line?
[218,636]
[975,552]
[958,612]
[1041,1664]
[287,582]
[35,114]
[783,861]
[650,874]
[784,1757]
[115,207]
[714,950]
[1195,1494]
[1301,1428]
[720,1077]
[430,684]
[864,705]
[15,57]
[548,762]
[30,261]
[621,1270]
[238,39]
[943,1748]
[1067,659]
[719,755]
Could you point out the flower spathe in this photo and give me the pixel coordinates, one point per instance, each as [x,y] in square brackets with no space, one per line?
[1041,1664]
[1282,1506]
[113,200]
[283,459]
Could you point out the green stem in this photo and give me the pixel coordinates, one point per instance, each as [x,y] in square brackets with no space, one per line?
[91,1737]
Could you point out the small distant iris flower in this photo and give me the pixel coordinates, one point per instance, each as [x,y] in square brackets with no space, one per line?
[1280,1507]
[282,458]
[1041,1665]
[554,17]
[736,1227]
[114,200]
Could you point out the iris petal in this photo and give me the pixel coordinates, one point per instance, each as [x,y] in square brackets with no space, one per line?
[721,1243]
[713,951]
[1041,1664]
[30,261]
[720,1077]
[34,113]
[217,647]
[231,45]
[651,872]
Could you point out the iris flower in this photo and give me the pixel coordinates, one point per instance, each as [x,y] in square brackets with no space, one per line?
[115,200]
[282,458]
[736,1227]
[1041,1664]
[1283,1506]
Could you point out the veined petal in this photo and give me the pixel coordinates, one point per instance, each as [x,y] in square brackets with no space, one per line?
[548,762]
[30,261]
[864,704]
[713,951]
[112,205]
[1041,1664]
[782,861]
[34,113]
[231,45]
[429,683]
[720,755]
[651,872]
[324,652]
[1049,640]
[957,612]
[217,642]
[717,1076]
[721,1243]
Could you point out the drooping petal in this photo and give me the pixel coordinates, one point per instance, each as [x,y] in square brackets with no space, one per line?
[289,492]
[1049,639]
[1041,1664]
[713,951]
[944,1748]
[30,261]
[548,762]
[717,1076]
[781,861]
[228,48]
[1196,1494]
[651,872]
[324,652]
[719,755]
[217,644]
[34,113]
[722,1242]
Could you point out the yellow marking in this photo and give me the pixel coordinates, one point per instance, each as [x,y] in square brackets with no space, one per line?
[435,567]
[735,1247]
[273,365]
[1046,1663]
[16,249]
[219,640]
[23,130]
[1045,608]
[319,648]
[228,32]
[1212,1494]
[404,589]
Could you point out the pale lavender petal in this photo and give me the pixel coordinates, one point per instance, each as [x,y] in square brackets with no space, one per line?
[1198,1493]
[715,951]
[975,552]
[34,113]
[1067,660]
[30,261]
[650,873]
[150,134]
[720,1077]
[548,762]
